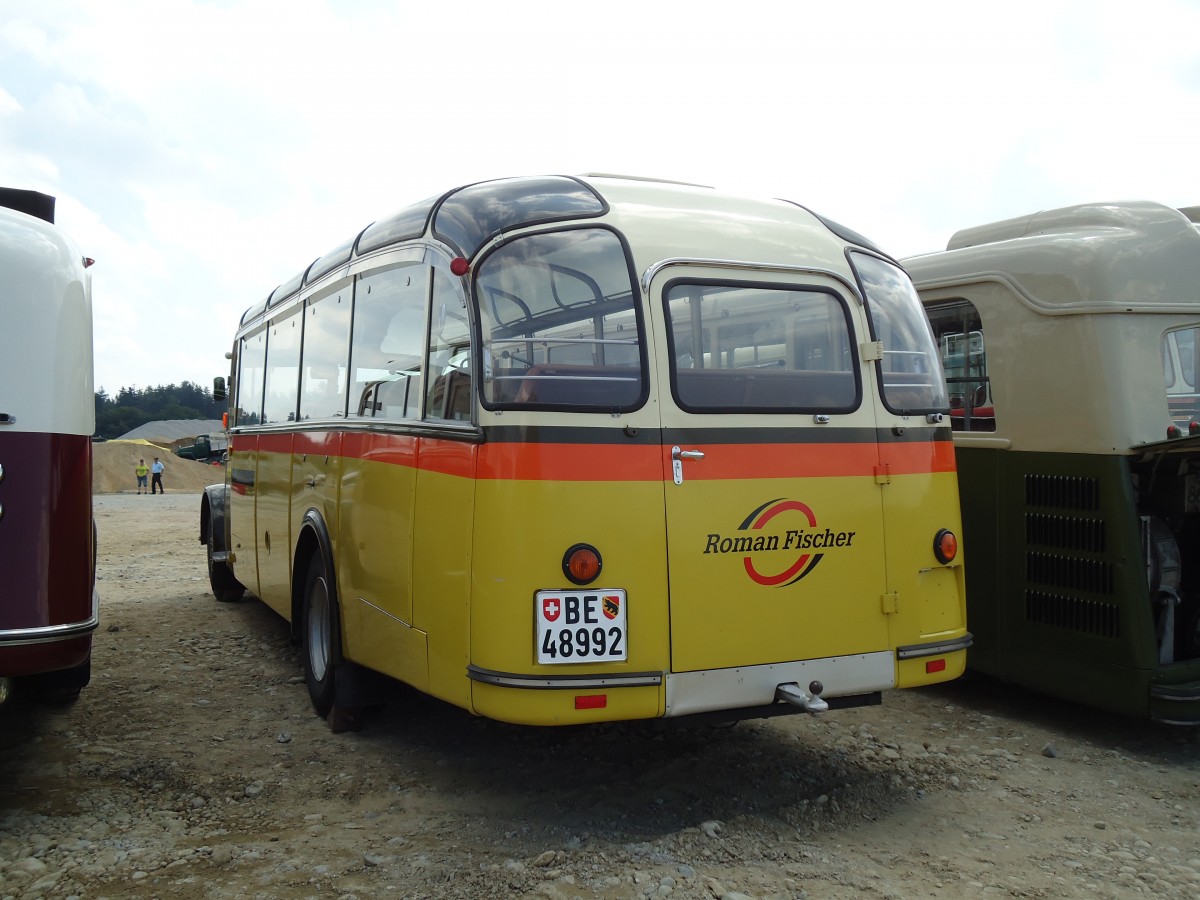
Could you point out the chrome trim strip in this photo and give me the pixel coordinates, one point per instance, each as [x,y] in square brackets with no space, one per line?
[1158,692]
[916,651]
[564,682]
[45,634]
[652,271]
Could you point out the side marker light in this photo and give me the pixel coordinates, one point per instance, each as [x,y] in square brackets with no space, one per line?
[945,546]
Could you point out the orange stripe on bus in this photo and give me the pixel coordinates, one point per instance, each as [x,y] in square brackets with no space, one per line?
[614,462]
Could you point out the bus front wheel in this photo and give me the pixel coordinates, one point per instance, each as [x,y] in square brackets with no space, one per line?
[320,632]
[225,586]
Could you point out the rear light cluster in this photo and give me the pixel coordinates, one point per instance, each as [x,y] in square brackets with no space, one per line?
[945,546]
[582,564]
[1174,431]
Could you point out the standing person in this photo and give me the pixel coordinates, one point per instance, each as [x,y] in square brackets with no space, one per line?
[141,470]
[156,471]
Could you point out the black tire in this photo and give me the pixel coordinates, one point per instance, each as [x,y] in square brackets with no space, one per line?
[225,587]
[320,635]
[58,687]
[1188,640]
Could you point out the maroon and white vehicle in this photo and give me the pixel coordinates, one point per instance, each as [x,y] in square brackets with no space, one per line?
[48,599]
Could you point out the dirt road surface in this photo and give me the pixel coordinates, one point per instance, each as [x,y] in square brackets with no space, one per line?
[193,767]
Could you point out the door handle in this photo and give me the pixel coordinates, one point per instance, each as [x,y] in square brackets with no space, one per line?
[677,457]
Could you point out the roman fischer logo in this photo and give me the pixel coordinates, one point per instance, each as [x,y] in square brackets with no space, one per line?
[802,546]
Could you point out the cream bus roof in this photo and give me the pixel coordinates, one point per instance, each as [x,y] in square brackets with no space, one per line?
[663,219]
[669,219]
[1097,257]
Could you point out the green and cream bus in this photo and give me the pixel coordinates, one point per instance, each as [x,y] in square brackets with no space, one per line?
[1069,341]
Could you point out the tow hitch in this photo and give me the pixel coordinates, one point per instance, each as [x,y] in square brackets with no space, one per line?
[809,701]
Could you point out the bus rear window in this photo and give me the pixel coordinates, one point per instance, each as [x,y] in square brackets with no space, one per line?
[910,370]
[559,326]
[759,348]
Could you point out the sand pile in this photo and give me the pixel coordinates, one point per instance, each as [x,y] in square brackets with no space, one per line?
[113,463]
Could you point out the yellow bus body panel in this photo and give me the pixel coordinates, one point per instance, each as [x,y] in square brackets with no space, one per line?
[272,517]
[523,529]
[442,564]
[722,617]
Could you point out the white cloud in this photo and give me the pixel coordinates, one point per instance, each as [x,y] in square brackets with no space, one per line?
[204,151]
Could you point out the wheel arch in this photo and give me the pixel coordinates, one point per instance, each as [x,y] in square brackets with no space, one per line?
[213,503]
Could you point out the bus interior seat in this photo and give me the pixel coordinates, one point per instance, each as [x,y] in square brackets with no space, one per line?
[580,385]
[766,389]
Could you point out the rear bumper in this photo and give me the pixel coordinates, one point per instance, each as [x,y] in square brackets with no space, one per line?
[1175,704]
[44,634]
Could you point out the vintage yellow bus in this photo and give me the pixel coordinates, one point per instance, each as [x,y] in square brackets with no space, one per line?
[1069,339]
[571,449]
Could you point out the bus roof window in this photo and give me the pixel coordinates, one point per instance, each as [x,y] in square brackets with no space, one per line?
[470,216]
[408,223]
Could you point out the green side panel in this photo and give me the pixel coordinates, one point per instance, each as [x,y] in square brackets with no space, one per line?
[1056,584]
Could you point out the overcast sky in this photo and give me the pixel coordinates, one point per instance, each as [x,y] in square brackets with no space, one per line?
[204,151]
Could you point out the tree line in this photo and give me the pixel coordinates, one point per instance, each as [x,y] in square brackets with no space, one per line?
[132,407]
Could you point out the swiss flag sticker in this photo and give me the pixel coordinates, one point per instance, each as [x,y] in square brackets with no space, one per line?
[551,608]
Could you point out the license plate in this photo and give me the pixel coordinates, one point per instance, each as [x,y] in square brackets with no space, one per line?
[580,626]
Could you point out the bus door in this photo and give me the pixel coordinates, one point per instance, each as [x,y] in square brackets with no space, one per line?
[242,466]
[273,477]
[774,517]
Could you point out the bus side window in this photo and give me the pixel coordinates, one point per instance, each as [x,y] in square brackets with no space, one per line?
[448,365]
[252,357]
[1181,352]
[385,347]
[283,368]
[326,345]
[958,329]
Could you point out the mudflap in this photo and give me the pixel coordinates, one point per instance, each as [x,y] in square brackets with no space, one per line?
[357,691]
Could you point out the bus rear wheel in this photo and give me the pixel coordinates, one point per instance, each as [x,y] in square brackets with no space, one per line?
[320,636]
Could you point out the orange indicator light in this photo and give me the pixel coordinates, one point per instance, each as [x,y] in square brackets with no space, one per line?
[945,546]
[582,563]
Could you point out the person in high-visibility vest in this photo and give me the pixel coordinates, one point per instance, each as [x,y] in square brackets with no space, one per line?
[142,471]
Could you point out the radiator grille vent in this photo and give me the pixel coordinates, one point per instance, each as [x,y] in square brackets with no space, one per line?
[1088,616]
[1069,572]
[1065,532]
[1062,491]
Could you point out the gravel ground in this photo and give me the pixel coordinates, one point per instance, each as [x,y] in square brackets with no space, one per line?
[193,767]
